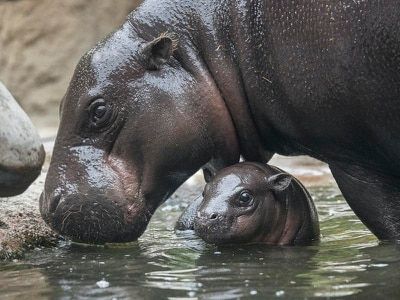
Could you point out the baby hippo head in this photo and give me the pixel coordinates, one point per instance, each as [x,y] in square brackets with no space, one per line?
[242,204]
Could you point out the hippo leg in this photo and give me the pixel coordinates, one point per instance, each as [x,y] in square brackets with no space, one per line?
[374,197]
[186,220]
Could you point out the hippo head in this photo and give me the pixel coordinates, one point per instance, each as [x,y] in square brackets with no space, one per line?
[137,120]
[241,204]
[21,152]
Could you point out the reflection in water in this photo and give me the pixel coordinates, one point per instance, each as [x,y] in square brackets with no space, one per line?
[347,262]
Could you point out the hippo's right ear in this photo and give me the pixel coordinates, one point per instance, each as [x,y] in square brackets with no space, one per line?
[159,51]
[279,182]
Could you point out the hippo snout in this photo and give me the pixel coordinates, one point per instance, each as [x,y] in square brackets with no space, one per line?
[97,206]
[92,219]
[208,217]
[210,225]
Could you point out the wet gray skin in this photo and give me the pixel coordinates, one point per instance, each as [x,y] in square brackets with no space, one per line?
[145,109]
[21,151]
[253,203]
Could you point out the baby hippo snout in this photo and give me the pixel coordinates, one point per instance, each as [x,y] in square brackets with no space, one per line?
[209,225]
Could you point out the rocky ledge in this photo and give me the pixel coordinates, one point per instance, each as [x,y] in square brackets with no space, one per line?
[21,226]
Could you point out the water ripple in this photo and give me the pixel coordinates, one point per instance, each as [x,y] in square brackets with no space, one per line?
[348,262]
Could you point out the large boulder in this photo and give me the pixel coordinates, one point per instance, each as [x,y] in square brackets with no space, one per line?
[21,151]
[41,42]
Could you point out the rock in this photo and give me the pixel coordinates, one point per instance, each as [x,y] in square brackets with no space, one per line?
[21,226]
[41,42]
[21,151]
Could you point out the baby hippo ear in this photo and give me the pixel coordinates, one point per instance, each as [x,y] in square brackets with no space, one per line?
[207,174]
[279,182]
[159,51]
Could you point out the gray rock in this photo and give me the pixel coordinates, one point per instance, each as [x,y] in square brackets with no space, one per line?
[21,151]
[21,226]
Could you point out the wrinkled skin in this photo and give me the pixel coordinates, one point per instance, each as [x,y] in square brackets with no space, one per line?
[253,203]
[248,78]
[21,151]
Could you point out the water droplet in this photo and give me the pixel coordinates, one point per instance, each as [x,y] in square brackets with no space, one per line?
[103,284]
[378,265]
[253,292]
[191,294]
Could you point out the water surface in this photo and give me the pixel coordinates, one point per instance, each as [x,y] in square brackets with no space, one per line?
[347,263]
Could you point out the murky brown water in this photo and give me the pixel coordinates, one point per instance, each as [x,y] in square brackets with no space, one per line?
[348,262]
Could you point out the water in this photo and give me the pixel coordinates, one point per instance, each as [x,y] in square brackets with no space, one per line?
[347,263]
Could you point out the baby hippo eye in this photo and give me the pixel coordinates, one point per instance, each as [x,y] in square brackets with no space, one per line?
[245,198]
[100,113]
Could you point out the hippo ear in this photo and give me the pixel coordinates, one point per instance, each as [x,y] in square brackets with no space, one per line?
[207,174]
[279,182]
[159,51]
[210,169]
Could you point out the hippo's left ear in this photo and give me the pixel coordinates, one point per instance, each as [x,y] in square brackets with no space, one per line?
[279,182]
[159,51]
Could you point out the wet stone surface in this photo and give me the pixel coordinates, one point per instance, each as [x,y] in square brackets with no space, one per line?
[21,226]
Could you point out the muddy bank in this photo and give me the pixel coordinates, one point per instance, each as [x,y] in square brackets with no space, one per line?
[22,229]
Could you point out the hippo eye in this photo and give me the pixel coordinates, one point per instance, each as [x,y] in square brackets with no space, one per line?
[100,113]
[245,198]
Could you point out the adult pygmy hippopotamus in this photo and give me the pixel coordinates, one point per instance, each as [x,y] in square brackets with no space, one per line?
[183,85]
[253,203]
[21,151]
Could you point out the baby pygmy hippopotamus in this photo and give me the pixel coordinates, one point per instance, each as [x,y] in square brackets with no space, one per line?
[253,203]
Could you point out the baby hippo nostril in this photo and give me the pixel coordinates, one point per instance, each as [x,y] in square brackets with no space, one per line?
[213,216]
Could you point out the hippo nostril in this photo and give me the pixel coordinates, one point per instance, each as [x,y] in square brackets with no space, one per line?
[213,216]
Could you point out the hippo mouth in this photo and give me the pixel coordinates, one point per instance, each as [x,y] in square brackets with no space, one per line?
[95,222]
